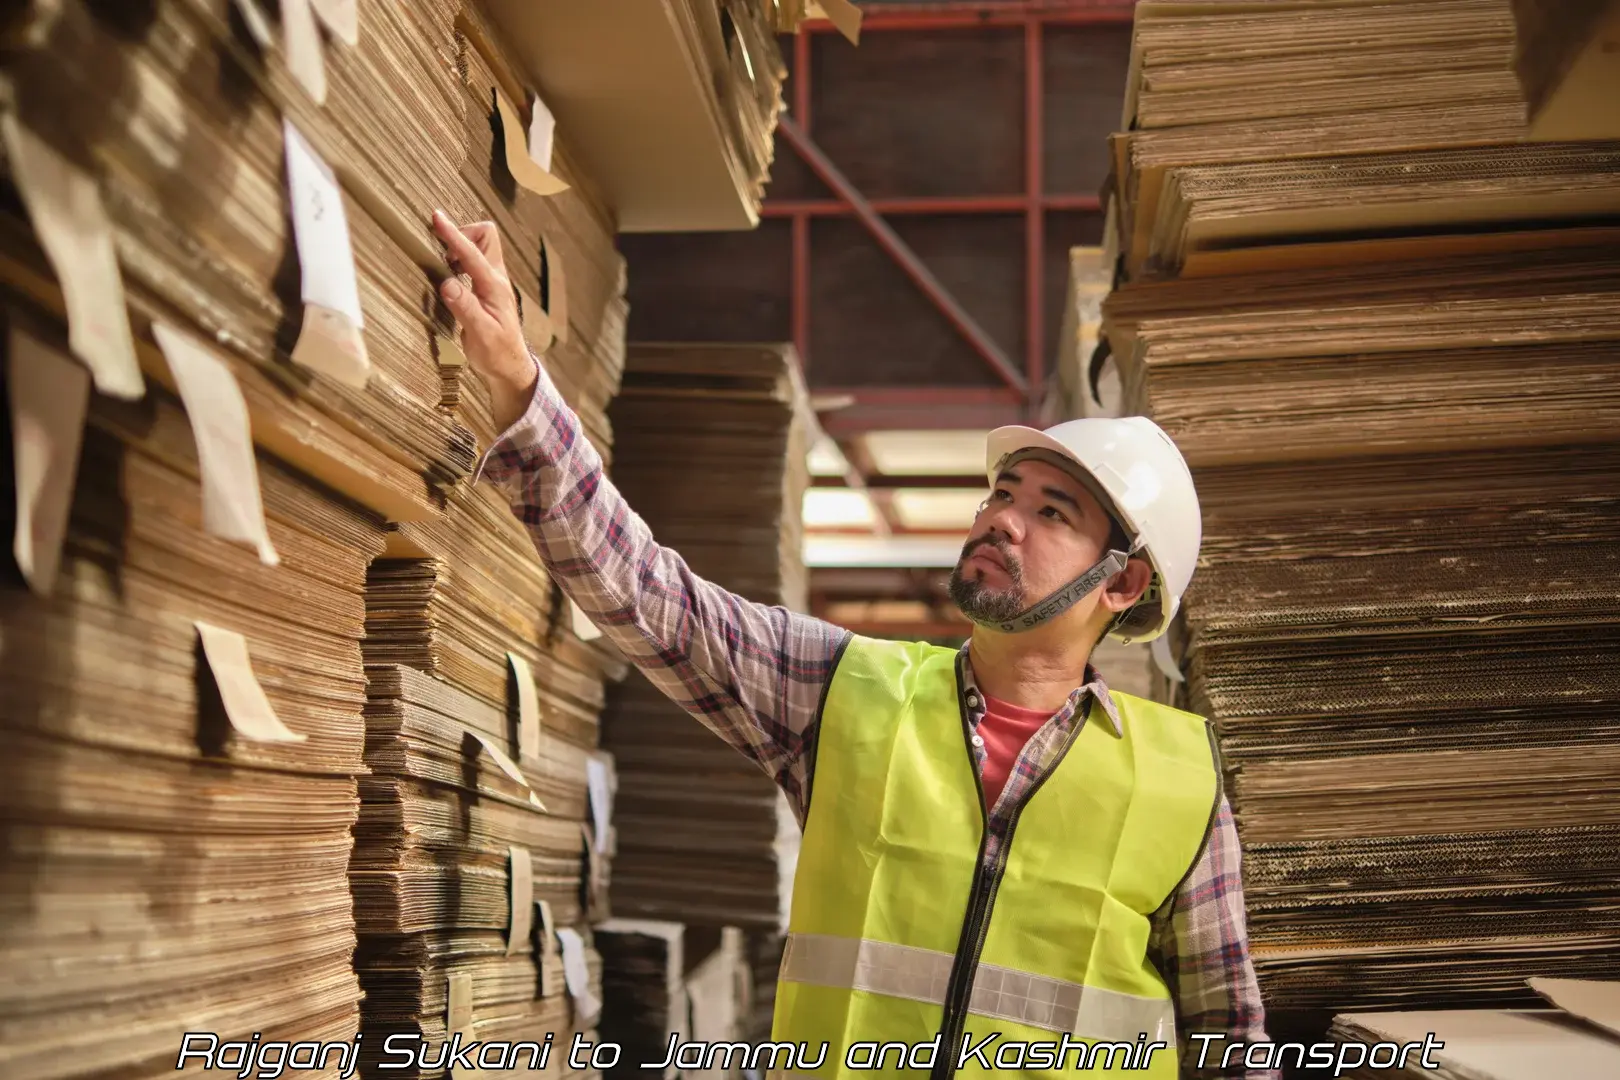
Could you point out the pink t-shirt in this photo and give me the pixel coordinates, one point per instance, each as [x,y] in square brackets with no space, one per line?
[1005,729]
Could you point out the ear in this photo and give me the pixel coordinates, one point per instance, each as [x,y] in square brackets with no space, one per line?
[1126,587]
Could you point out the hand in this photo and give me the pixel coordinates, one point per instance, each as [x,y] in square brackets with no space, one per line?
[486,309]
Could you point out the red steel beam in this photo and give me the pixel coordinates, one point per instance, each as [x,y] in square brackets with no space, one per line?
[860,419]
[799,304]
[933,204]
[1034,219]
[902,254]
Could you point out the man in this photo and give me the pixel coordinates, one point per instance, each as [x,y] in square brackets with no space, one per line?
[1115,919]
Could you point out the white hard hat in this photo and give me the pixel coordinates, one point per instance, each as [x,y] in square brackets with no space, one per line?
[1145,484]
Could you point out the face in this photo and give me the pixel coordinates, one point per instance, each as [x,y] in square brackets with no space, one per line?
[1038,531]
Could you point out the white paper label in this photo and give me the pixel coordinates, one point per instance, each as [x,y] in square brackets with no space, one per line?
[71,222]
[584,628]
[599,782]
[542,130]
[528,707]
[232,505]
[578,976]
[322,230]
[330,340]
[50,394]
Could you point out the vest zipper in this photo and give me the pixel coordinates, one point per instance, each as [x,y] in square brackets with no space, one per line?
[981,898]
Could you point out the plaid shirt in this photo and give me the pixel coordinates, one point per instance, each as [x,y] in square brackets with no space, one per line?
[754,676]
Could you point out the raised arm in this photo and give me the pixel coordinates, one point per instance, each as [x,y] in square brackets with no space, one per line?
[753,674]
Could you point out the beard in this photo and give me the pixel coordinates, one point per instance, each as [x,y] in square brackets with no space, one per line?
[980,602]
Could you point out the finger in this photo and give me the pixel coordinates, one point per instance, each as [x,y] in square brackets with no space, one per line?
[464,304]
[488,239]
[466,257]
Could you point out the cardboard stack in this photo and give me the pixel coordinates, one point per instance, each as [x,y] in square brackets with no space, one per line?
[1566,61]
[712,456]
[184,732]
[483,832]
[485,828]
[216,244]
[666,985]
[1574,1031]
[1379,323]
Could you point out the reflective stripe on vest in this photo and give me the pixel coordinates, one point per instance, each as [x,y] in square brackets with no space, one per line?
[903,930]
[1055,1005]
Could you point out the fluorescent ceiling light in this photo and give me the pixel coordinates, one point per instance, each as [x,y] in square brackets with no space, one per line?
[937,509]
[927,453]
[922,552]
[837,508]
[826,459]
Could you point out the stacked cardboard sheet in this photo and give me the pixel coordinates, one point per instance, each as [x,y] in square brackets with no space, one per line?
[644,1001]
[556,240]
[184,727]
[1405,434]
[1414,685]
[712,455]
[667,985]
[1565,60]
[1389,358]
[485,832]
[268,189]
[195,164]
[1315,119]
[1578,1037]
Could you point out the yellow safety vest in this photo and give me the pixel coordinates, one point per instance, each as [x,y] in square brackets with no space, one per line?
[901,931]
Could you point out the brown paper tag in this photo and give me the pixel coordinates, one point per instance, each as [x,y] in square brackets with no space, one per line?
[246,705]
[520,894]
[232,506]
[305,59]
[64,204]
[330,344]
[525,170]
[845,16]
[577,974]
[448,351]
[538,330]
[506,765]
[556,290]
[458,1015]
[50,395]
[528,707]
[256,22]
[342,17]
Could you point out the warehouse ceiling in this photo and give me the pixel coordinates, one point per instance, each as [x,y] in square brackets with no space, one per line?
[927,192]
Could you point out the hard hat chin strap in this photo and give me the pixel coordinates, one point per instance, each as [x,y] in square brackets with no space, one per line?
[1061,600]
